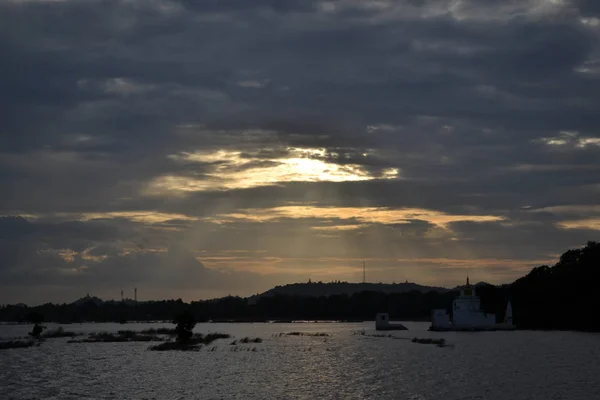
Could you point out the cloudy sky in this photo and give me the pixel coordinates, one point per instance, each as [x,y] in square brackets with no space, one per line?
[195,149]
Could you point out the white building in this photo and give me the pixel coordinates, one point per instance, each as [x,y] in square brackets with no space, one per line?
[382,323]
[467,314]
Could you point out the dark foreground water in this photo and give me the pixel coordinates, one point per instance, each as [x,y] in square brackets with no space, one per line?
[489,365]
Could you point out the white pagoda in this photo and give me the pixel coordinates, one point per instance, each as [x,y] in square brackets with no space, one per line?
[467,315]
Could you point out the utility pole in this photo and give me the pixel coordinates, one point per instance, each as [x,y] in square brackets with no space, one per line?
[135,294]
[364,273]
[121,295]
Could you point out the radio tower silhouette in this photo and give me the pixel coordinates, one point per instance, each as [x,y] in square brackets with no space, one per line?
[364,273]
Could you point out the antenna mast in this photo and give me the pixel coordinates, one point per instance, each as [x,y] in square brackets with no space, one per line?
[364,273]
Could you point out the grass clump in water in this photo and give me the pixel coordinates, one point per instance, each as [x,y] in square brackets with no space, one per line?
[389,335]
[194,343]
[18,344]
[237,349]
[313,334]
[209,338]
[438,342]
[58,333]
[133,336]
[159,331]
[186,340]
[250,340]
[119,337]
[168,346]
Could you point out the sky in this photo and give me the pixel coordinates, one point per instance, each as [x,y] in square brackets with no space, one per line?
[196,149]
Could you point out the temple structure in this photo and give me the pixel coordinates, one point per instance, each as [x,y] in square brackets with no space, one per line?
[382,323]
[468,316]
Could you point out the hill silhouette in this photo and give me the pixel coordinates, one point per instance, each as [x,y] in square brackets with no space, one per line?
[317,289]
[558,297]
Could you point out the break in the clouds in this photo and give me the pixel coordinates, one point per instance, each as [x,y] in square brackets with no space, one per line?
[199,148]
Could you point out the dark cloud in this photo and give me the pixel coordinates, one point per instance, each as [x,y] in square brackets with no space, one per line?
[588,8]
[102,255]
[482,109]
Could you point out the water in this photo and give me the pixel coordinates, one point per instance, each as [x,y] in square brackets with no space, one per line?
[487,365]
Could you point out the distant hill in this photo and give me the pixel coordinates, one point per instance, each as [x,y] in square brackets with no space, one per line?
[96,301]
[477,285]
[318,289]
[87,300]
[563,296]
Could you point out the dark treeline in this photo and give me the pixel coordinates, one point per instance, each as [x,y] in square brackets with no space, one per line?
[559,297]
[564,296]
[360,306]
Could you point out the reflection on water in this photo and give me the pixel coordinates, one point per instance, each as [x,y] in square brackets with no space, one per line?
[488,365]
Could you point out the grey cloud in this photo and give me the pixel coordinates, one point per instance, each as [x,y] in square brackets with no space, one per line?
[35,254]
[588,8]
[279,6]
[95,96]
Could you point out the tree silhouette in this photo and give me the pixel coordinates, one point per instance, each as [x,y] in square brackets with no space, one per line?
[185,323]
[36,318]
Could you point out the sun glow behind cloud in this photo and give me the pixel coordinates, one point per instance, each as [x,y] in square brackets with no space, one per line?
[569,138]
[590,224]
[364,215]
[149,217]
[232,170]
[586,217]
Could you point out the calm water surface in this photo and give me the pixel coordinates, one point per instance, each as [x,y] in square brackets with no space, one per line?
[489,365]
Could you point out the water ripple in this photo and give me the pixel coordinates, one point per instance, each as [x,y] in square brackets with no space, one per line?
[491,365]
